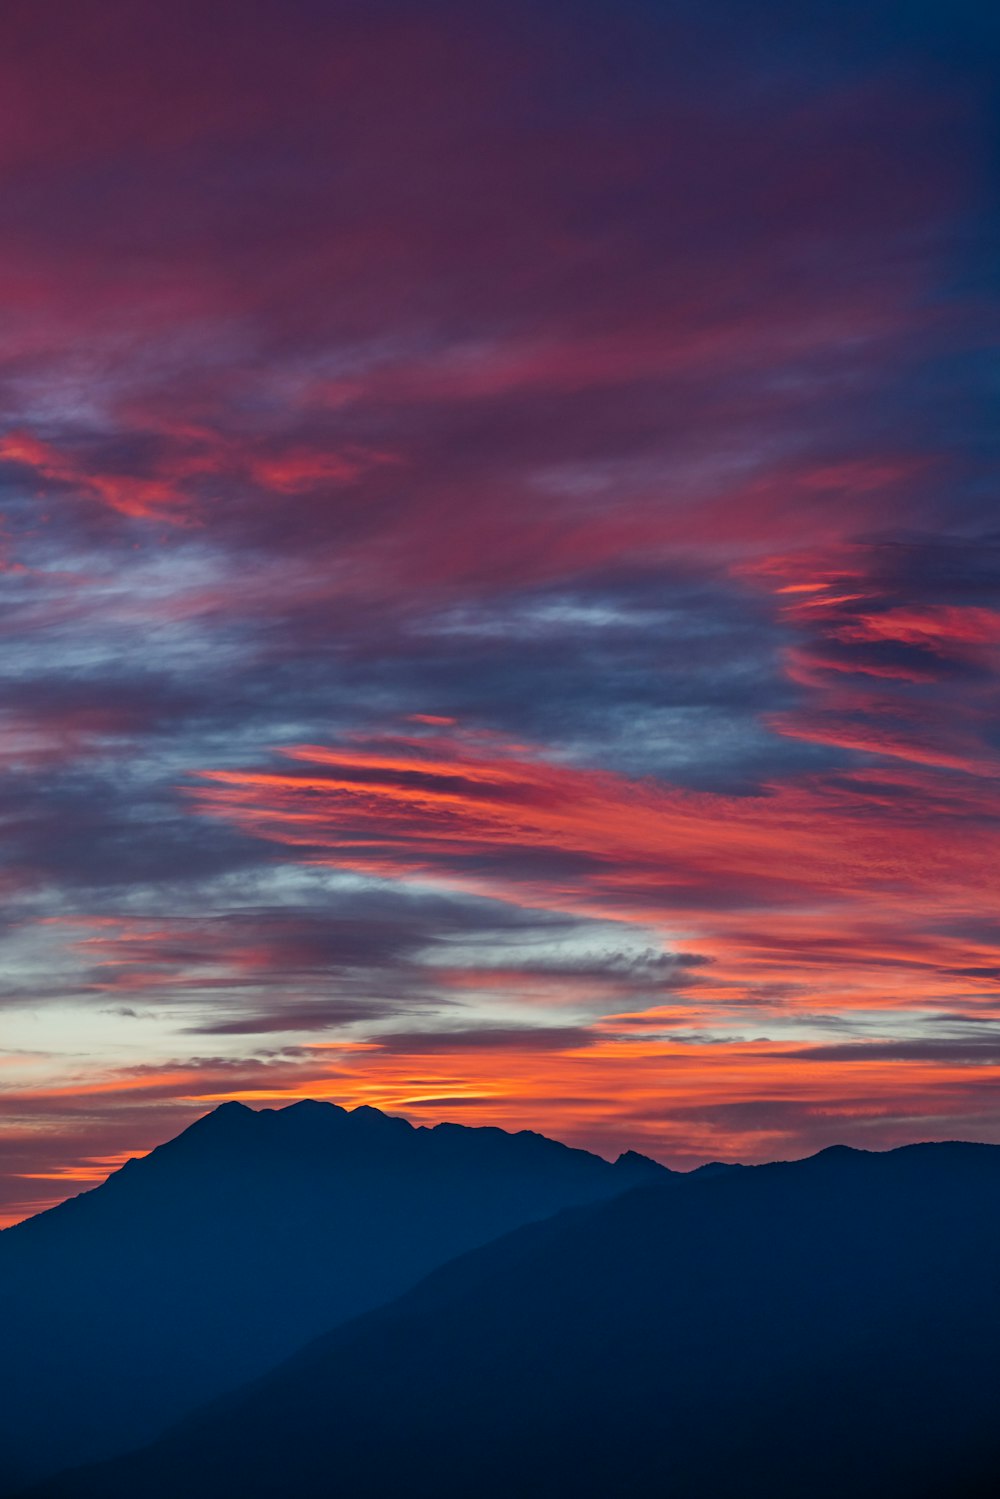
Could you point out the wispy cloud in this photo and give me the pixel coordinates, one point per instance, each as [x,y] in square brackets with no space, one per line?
[499,571]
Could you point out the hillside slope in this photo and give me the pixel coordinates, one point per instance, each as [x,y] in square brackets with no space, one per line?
[821,1328]
[213,1258]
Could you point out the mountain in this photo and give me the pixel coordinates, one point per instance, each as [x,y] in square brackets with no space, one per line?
[216,1256]
[821,1329]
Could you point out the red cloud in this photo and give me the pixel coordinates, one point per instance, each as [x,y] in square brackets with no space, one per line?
[940,628]
[871,663]
[128,494]
[799,865]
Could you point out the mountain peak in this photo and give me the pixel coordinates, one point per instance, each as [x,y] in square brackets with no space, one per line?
[317,1108]
[229,1121]
[835,1153]
[229,1115]
[230,1109]
[636,1164]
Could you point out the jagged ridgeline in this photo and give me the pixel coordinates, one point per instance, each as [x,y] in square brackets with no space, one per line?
[207,1262]
[820,1328]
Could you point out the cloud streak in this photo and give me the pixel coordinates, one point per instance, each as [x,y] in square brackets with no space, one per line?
[499,571]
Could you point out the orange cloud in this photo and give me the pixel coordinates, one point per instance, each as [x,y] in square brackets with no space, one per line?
[683,1102]
[767,885]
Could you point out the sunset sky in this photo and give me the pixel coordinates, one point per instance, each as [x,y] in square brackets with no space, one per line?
[501,571]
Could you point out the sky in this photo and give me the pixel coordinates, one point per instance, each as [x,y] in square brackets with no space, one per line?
[500,581]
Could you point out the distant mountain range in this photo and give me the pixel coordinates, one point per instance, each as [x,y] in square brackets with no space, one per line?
[810,1330]
[210,1260]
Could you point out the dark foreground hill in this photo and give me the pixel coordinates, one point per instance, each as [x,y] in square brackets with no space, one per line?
[216,1256]
[799,1331]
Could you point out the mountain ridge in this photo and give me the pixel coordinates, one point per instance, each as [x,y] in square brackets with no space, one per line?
[149,1285]
[233,1112]
[819,1326]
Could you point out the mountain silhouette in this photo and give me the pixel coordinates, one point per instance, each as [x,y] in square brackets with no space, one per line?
[802,1331]
[216,1256]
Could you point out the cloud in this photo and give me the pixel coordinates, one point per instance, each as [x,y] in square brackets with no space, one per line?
[521,1039]
[498,540]
[959,1049]
[479,812]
